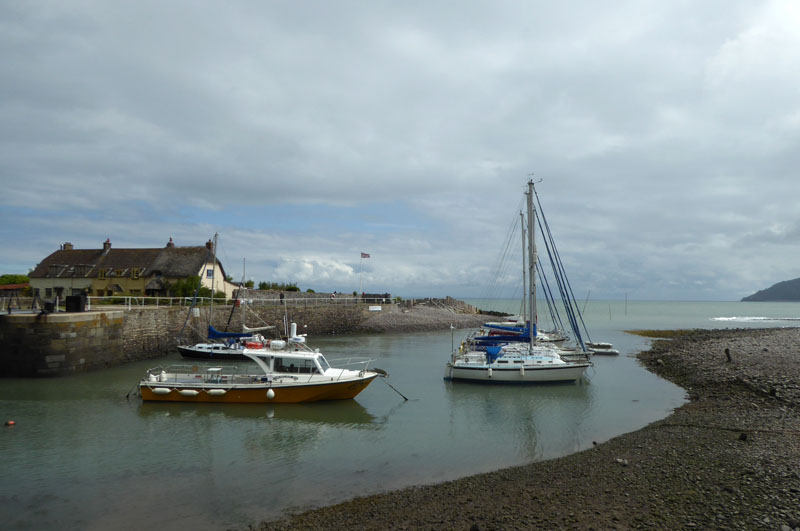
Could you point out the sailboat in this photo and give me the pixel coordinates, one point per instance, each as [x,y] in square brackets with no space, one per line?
[226,345]
[529,361]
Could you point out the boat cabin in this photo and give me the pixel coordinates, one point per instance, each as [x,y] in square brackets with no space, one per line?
[298,362]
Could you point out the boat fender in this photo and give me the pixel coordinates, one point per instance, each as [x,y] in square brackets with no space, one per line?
[188,392]
[161,391]
[270,394]
[489,372]
[216,392]
[522,370]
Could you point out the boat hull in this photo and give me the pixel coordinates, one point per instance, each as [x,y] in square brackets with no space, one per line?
[560,373]
[209,354]
[255,393]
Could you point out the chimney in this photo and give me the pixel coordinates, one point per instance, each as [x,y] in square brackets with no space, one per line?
[66,247]
[209,244]
[170,243]
[106,245]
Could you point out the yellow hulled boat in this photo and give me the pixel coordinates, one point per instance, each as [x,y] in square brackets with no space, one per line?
[287,372]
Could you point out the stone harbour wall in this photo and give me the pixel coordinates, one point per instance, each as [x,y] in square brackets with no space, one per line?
[312,320]
[59,343]
[63,343]
[151,332]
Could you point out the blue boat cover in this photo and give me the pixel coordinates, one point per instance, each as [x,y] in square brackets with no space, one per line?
[213,333]
[509,328]
[492,352]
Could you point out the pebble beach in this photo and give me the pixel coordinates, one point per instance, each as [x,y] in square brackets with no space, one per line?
[727,459]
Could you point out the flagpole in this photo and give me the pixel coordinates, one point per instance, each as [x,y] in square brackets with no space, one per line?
[360,263]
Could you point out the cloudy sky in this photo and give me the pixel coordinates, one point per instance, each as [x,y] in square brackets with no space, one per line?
[666,136]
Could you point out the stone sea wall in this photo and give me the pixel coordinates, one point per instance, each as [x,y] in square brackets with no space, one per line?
[64,343]
[59,343]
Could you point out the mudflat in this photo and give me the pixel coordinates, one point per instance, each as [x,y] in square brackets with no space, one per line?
[728,459]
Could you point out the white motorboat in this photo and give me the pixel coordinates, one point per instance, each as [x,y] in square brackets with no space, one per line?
[604,349]
[284,372]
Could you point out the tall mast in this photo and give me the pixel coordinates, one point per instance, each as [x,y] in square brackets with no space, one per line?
[240,295]
[524,268]
[532,261]
[213,278]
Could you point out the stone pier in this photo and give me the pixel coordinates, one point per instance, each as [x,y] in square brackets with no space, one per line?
[59,343]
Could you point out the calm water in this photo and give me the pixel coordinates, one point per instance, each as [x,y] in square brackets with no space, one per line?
[82,456]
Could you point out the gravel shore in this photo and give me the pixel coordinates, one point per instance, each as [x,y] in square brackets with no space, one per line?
[728,459]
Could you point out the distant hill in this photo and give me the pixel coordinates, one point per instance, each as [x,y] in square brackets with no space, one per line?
[788,290]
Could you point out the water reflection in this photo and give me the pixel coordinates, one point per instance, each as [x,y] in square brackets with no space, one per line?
[343,413]
[525,413]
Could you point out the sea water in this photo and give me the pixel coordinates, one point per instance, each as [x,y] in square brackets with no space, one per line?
[83,456]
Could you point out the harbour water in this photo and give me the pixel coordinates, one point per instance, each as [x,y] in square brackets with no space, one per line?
[83,456]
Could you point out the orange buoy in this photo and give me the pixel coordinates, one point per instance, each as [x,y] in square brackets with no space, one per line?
[10,423]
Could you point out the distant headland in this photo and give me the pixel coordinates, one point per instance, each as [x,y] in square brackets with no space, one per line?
[788,290]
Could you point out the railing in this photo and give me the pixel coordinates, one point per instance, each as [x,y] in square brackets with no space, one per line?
[25,304]
[131,302]
[32,304]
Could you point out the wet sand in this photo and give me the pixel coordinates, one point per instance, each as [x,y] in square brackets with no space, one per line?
[728,459]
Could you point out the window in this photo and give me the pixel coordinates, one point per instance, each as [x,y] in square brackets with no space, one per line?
[118,273]
[48,292]
[101,274]
[209,273]
[135,272]
[297,366]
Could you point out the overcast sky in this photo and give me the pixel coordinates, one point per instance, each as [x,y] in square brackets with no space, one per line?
[666,136]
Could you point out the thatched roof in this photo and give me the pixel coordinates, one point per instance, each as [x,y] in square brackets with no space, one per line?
[169,262]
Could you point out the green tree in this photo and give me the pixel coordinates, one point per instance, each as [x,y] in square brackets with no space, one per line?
[186,287]
[13,279]
[277,286]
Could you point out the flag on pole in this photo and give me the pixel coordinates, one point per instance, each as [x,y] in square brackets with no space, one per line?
[364,255]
